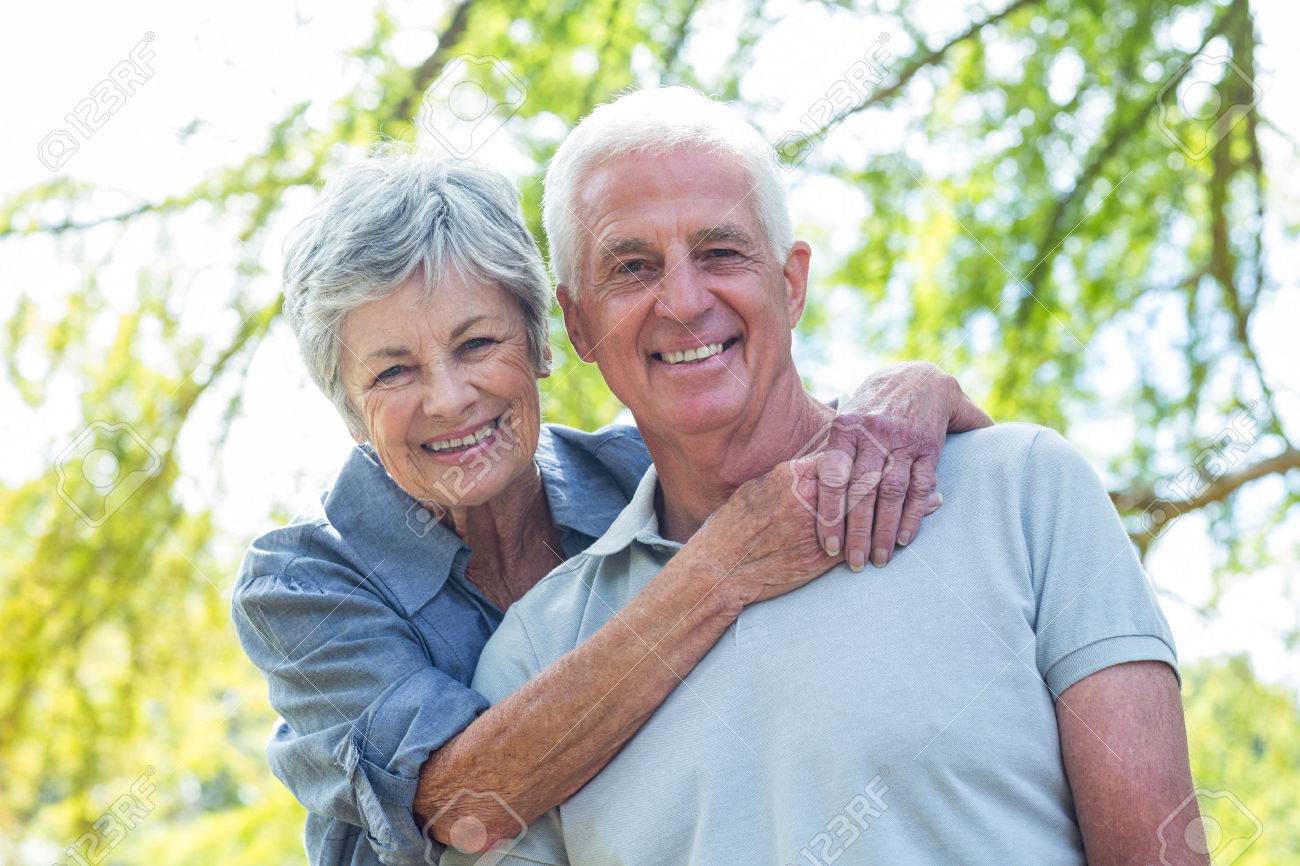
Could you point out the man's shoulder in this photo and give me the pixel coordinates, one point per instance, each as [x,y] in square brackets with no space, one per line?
[552,612]
[1008,448]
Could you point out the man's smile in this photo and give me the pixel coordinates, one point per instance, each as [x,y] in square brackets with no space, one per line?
[695,354]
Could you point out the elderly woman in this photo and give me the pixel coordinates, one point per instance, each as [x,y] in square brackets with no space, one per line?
[420,305]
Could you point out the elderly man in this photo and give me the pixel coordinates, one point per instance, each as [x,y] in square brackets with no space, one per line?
[1004,692]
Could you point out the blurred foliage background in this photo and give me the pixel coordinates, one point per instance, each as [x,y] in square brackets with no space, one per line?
[1076,207]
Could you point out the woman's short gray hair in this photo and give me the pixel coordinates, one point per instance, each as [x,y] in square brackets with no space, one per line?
[657,120]
[388,217]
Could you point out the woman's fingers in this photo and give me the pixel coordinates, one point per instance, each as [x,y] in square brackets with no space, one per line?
[834,468]
[918,498]
[890,496]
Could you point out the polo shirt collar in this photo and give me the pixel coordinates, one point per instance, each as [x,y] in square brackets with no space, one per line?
[639,521]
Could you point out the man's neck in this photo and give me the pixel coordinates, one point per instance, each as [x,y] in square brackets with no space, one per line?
[699,472]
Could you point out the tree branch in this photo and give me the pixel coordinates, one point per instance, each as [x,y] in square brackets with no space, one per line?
[1120,131]
[914,66]
[433,65]
[1144,497]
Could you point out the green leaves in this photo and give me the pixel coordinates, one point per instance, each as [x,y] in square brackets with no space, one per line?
[1067,244]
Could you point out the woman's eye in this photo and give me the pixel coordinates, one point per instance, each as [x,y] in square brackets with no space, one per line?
[477,343]
[390,373]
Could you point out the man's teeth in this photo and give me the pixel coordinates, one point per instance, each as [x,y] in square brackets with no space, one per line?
[692,354]
[477,436]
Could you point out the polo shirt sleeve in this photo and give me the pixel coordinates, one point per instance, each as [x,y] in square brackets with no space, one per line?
[362,705]
[508,661]
[1095,607]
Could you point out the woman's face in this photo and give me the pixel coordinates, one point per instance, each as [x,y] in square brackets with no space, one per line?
[447,389]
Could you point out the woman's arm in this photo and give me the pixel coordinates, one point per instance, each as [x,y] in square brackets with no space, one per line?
[536,748]
[876,476]
[541,744]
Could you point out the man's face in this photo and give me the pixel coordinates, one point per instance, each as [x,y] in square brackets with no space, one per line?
[675,261]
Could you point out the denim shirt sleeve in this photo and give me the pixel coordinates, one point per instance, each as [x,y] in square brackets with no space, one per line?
[362,705]
[508,661]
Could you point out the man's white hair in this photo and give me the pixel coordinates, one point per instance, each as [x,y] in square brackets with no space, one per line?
[654,121]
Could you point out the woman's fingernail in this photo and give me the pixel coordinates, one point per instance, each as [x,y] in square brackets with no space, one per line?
[856,560]
[833,546]
[937,499]
[880,556]
[904,538]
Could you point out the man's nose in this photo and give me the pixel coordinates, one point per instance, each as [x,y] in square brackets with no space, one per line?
[683,294]
[448,393]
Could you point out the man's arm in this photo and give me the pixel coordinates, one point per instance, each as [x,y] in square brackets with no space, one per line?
[549,735]
[1124,744]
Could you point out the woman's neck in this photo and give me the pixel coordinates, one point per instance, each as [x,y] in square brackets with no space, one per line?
[512,538]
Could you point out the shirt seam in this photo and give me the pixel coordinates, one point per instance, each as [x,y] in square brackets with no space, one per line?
[532,647]
[1025,530]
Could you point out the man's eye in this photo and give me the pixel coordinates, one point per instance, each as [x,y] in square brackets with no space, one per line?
[477,343]
[721,253]
[633,267]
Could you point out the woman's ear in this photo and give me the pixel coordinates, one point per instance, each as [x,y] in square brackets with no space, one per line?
[544,368]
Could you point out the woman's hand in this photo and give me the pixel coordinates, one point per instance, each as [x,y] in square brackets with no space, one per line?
[762,542]
[875,477]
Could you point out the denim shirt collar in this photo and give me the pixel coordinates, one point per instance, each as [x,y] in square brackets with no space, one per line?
[400,542]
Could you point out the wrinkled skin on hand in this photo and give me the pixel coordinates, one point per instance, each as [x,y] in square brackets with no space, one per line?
[876,475]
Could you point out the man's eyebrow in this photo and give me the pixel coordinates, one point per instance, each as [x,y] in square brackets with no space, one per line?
[614,251]
[725,233]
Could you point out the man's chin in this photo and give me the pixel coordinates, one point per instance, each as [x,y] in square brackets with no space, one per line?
[706,414]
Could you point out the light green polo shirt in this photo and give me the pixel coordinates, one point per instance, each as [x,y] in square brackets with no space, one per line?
[898,715]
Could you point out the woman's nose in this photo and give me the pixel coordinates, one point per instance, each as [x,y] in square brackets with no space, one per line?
[447,393]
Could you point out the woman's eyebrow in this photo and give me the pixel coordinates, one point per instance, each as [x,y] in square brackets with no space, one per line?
[389,352]
[467,324]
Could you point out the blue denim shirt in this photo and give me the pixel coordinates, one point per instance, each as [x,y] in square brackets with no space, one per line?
[367,631]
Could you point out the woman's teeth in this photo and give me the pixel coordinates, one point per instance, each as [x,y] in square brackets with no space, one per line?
[691,354]
[477,436]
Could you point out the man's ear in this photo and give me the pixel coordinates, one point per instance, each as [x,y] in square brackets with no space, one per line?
[573,323]
[796,280]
